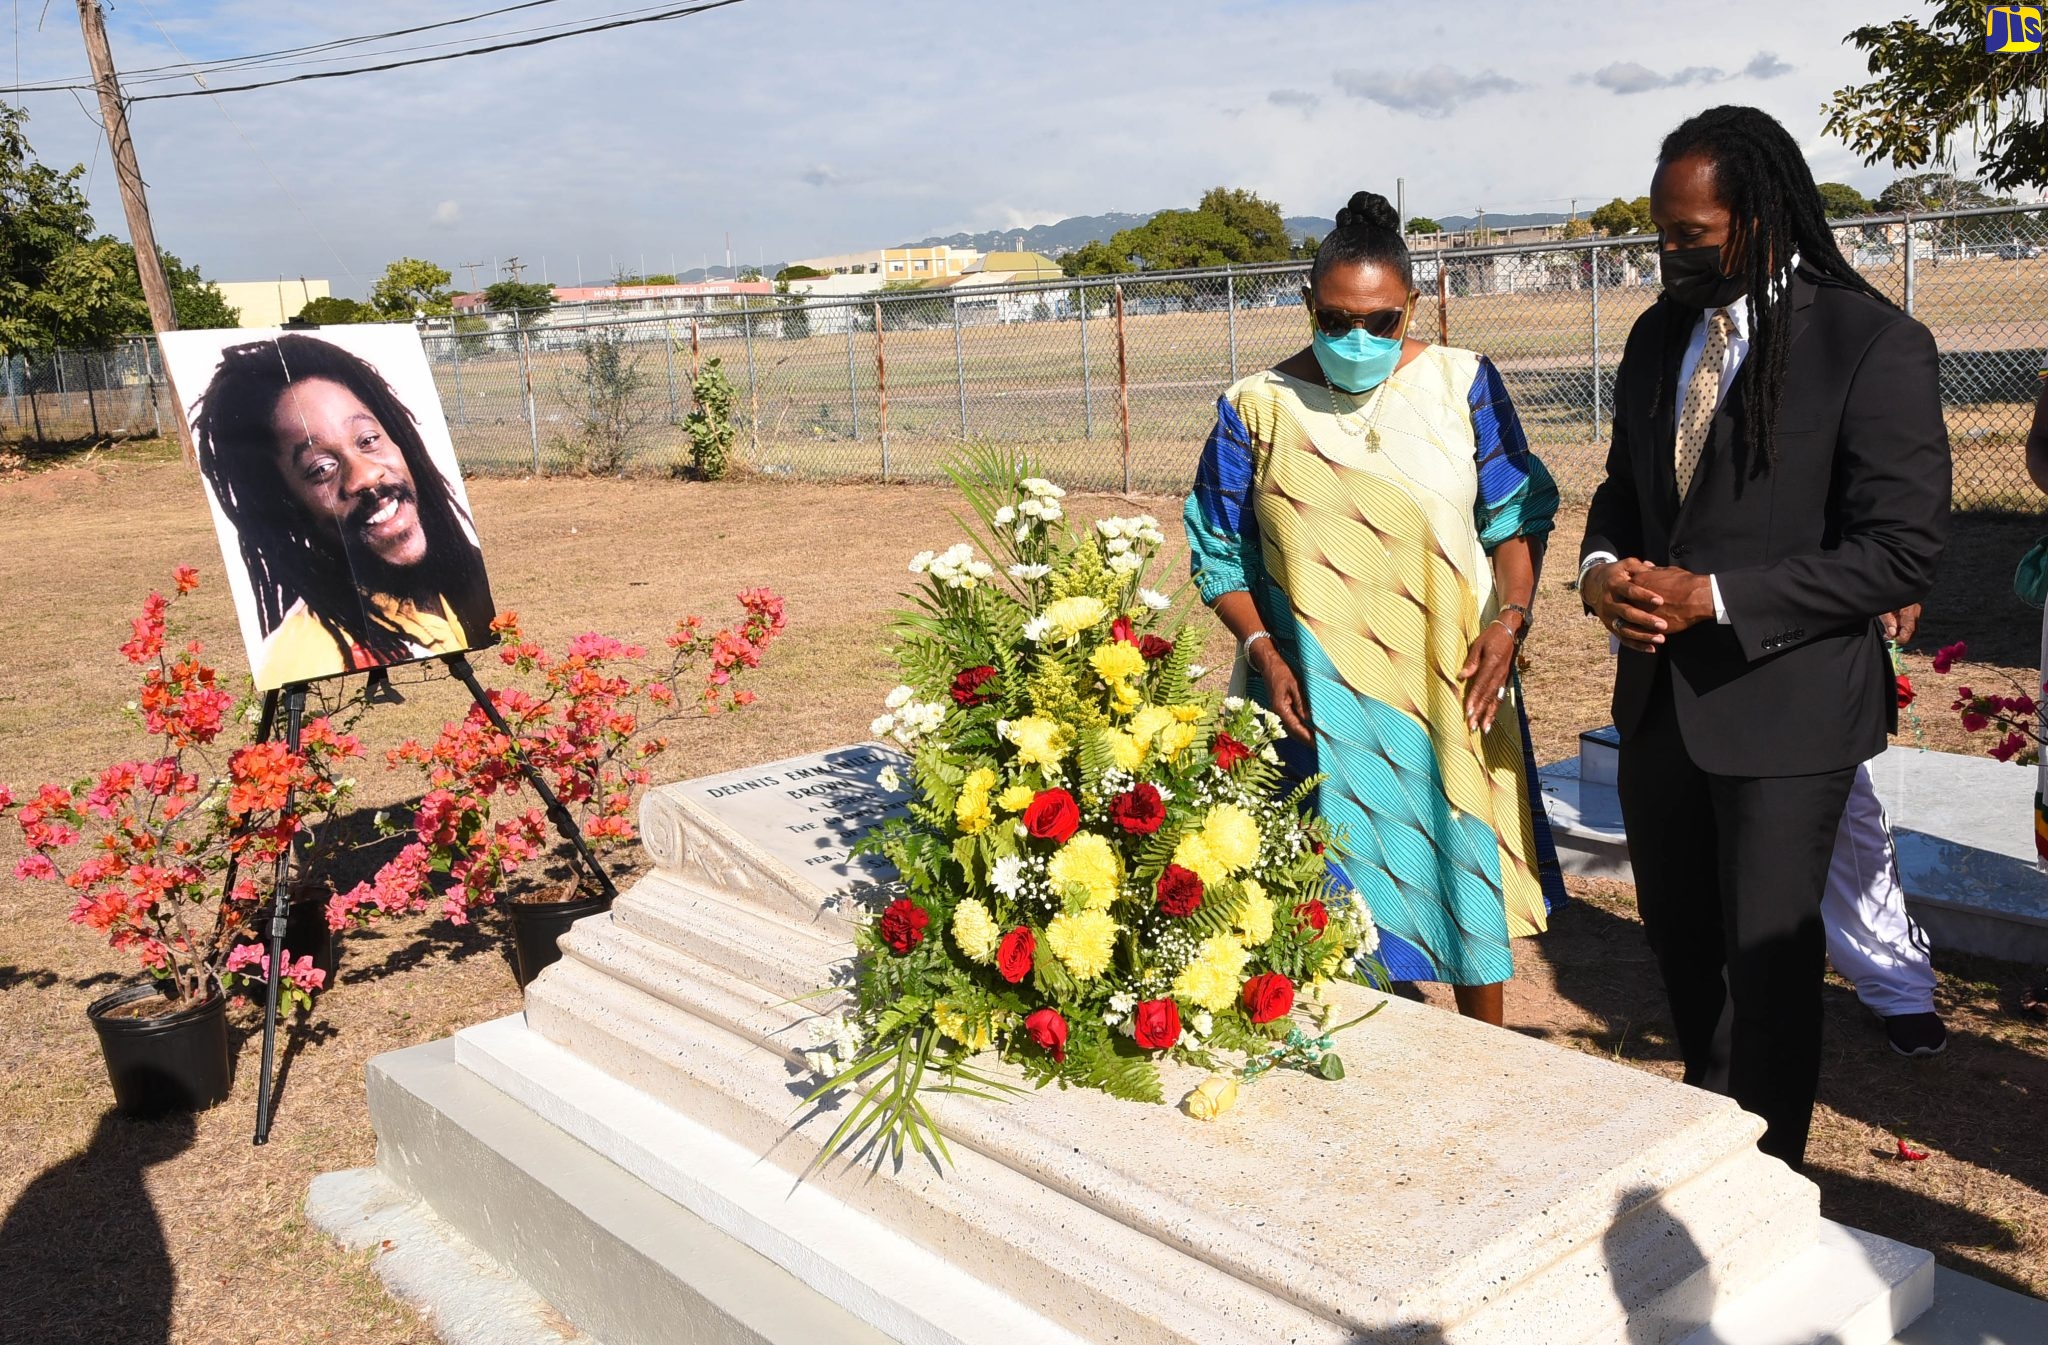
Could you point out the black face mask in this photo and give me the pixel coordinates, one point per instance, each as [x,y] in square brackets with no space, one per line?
[1693,277]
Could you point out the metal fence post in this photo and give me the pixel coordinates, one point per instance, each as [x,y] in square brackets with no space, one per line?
[1230,304]
[526,377]
[668,347]
[1594,255]
[1087,374]
[852,384]
[92,407]
[455,352]
[753,387]
[1443,301]
[1123,387]
[959,367]
[882,390]
[1908,295]
[696,357]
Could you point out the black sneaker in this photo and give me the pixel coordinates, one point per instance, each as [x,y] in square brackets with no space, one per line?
[1916,1034]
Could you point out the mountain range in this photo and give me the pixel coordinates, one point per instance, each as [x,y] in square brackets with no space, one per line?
[1077,231]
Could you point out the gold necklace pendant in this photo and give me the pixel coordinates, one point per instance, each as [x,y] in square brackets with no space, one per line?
[1367,428]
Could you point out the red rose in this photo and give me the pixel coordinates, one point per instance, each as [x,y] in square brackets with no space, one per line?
[1138,810]
[1048,1030]
[1313,915]
[1156,1024]
[1014,954]
[1154,648]
[1180,891]
[1120,629]
[903,925]
[967,691]
[1229,751]
[1052,816]
[1905,691]
[1268,996]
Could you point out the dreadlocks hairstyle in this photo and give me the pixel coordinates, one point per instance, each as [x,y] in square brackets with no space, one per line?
[1368,230]
[1761,176]
[287,558]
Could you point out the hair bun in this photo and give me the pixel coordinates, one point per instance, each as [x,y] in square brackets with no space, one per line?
[1369,210]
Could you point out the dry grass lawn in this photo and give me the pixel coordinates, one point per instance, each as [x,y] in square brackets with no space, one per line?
[183,1232]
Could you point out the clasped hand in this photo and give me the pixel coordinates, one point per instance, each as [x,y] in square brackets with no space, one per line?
[1645,604]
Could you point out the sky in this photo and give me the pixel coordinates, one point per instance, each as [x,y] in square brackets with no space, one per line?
[808,127]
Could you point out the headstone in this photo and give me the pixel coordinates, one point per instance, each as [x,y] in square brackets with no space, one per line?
[1461,1184]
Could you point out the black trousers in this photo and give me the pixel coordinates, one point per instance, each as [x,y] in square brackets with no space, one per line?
[1729,876]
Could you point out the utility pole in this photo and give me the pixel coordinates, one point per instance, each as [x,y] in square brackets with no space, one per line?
[134,200]
[472,268]
[515,266]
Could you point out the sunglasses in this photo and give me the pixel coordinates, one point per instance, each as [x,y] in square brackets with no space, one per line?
[1336,323]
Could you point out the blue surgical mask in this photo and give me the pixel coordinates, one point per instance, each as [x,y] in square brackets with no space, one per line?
[1357,361]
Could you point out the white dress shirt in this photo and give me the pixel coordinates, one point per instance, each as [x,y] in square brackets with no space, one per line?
[1731,364]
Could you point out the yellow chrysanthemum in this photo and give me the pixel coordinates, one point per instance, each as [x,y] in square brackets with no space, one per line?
[1090,863]
[1149,721]
[1117,661]
[1068,617]
[1186,714]
[1255,921]
[974,929]
[1126,751]
[1174,739]
[1083,942]
[953,1023]
[971,809]
[1016,798]
[1213,979]
[1039,741]
[1124,697]
[1193,854]
[1232,836]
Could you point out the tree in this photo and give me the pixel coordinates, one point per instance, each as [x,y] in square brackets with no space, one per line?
[1619,217]
[1842,201]
[1935,85]
[330,311]
[43,216]
[1576,228]
[1423,224]
[1922,192]
[603,395]
[1306,248]
[1252,216]
[749,273]
[519,297]
[1097,259]
[197,301]
[410,286]
[789,273]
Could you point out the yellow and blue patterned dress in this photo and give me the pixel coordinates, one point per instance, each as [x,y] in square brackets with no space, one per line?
[1362,527]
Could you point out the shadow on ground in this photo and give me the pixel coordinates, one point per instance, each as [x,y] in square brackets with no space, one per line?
[82,1252]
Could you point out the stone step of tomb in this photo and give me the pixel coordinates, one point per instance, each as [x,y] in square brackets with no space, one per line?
[1962,827]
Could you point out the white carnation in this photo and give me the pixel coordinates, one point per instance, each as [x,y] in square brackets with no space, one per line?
[889,778]
[1005,516]
[1126,562]
[1154,599]
[1008,876]
[922,561]
[899,698]
[883,726]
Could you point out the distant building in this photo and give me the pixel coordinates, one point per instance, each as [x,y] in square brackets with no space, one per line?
[623,300]
[1015,268]
[897,265]
[268,303]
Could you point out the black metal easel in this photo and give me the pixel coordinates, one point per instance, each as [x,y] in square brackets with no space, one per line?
[292,699]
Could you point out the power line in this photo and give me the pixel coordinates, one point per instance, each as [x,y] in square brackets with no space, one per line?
[183,67]
[683,12]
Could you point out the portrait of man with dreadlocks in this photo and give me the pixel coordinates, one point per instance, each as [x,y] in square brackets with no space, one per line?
[349,541]
[1777,486]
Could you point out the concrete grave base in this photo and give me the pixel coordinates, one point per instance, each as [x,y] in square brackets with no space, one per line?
[631,1149]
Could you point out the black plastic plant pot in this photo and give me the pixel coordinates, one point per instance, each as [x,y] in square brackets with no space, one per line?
[538,926]
[167,1062]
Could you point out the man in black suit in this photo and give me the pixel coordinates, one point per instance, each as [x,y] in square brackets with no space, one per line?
[1778,480]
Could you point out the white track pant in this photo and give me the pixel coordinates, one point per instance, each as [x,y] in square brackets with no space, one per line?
[1872,942]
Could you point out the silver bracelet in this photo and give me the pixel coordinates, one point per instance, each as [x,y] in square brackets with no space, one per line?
[1245,646]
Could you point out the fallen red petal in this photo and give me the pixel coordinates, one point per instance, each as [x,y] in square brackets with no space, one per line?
[1911,1154]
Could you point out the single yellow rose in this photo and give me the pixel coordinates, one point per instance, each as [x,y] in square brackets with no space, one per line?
[1212,1097]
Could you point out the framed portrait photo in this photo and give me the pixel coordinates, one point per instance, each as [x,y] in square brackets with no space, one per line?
[334,488]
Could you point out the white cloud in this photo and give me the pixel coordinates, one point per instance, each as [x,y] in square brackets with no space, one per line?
[821,175]
[446,215]
[1626,77]
[1435,92]
[1301,100]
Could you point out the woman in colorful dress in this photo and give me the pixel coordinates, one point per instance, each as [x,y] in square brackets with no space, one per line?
[1368,520]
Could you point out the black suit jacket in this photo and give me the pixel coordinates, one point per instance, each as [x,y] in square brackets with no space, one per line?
[1847,525]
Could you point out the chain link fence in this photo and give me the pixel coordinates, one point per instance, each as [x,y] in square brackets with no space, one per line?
[1111,382]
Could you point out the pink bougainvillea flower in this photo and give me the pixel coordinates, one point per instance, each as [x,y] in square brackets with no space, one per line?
[1946,657]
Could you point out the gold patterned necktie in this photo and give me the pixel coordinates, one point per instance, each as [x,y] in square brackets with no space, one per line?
[1702,396]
